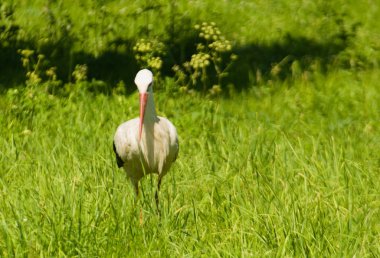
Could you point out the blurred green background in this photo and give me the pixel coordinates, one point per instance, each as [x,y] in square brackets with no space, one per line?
[272,40]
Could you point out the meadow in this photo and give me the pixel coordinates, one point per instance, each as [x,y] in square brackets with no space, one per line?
[281,159]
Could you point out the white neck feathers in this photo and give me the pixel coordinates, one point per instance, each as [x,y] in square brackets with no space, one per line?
[150,116]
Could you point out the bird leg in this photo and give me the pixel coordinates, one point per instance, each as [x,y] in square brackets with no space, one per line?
[141,217]
[156,195]
[136,186]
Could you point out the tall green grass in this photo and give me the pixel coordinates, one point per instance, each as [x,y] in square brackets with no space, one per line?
[287,169]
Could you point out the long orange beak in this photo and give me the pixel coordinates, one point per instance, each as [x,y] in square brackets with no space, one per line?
[143,101]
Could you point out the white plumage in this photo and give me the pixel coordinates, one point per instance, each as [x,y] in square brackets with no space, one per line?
[148,144]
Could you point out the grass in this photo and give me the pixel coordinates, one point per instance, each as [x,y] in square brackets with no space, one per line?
[287,169]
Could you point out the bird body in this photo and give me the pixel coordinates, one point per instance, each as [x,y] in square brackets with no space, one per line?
[148,144]
[154,153]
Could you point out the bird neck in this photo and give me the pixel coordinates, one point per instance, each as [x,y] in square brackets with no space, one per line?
[150,116]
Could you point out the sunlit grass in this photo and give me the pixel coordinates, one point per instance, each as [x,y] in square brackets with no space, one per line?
[289,169]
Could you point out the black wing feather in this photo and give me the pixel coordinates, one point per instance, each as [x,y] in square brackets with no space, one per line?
[119,161]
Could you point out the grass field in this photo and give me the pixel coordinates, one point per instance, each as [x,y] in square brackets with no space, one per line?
[282,170]
[284,162]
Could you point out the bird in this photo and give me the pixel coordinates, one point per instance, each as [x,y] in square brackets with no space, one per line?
[146,144]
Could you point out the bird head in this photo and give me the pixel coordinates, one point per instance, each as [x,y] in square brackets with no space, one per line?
[144,82]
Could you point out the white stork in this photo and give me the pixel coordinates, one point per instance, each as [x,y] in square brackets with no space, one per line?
[148,144]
